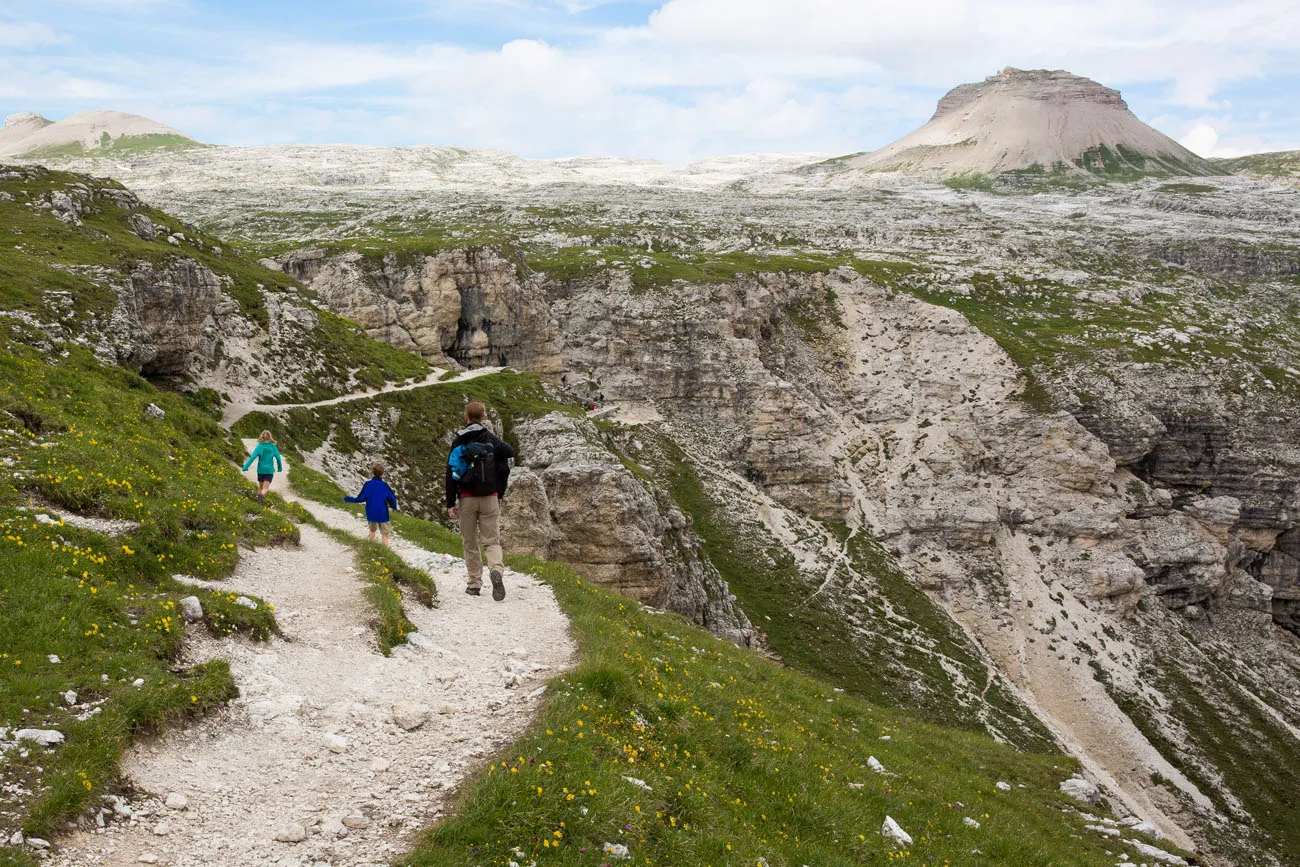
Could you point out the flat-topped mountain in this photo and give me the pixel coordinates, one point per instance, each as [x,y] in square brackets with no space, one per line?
[1035,120]
[29,134]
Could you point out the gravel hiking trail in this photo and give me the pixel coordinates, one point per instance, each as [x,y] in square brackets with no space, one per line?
[317,745]
[243,404]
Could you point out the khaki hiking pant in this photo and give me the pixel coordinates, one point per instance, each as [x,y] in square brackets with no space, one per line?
[480,524]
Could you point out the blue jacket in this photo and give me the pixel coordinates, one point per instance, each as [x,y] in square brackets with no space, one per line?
[378,498]
[268,459]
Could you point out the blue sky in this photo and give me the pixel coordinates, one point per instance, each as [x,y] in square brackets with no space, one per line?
[671,79]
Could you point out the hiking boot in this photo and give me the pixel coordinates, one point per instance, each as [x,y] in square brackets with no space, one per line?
[472,591]
[498,586]
[261,499]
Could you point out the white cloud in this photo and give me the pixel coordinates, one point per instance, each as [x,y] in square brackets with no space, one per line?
[1201,139]
[695,77]
[22,34]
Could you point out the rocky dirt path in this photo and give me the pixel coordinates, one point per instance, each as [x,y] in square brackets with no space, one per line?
[312,748]
[237,409]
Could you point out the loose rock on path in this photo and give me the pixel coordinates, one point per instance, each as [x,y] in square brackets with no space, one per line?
[311,745]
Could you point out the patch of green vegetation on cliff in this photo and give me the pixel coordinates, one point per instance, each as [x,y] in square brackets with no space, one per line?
[74,437]
[1188,189]
[344,352]
[876,633]
[1048,327]
[40,252]
[1124,164]
[972,182]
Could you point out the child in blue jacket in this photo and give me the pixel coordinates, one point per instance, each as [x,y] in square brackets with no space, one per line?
[379,498]
[268,463]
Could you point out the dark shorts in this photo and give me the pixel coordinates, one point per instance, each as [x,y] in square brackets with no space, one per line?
[265,477]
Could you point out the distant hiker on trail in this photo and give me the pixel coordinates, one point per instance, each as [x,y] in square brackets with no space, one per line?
[268,463]
[379,498]
[478,471]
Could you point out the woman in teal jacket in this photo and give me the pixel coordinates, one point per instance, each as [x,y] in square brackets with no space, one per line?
[268,463]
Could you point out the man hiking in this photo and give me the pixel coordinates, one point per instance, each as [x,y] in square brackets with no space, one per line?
[478,471]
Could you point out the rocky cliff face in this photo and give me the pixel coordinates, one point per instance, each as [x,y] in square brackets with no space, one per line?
[93,266]
[572,500]
[461,307]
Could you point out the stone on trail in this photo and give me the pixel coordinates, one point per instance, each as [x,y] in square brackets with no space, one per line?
[147,858]
[191,609]
[69,698]
[1081,789]
[176,801]
[332,828]
[336,743]
[890,830]
[291,833]
[38,843]
[246,602]
[356,823]
[162,829]
[409,715]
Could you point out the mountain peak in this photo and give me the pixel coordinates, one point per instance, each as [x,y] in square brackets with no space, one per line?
[1035,120]
[30,135]
[26,120]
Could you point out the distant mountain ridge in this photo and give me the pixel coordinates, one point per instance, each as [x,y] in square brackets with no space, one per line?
[1277,167]
[29,135]
[1037,121]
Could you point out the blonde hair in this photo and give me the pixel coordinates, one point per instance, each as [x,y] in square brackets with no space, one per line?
[265,437]
[475,411]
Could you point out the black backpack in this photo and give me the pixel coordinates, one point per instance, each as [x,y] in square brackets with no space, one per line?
[481,478]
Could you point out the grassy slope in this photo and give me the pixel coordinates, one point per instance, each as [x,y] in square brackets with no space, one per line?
[107,607]
[745,760]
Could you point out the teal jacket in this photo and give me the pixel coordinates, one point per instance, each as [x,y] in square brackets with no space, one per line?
[267,457]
